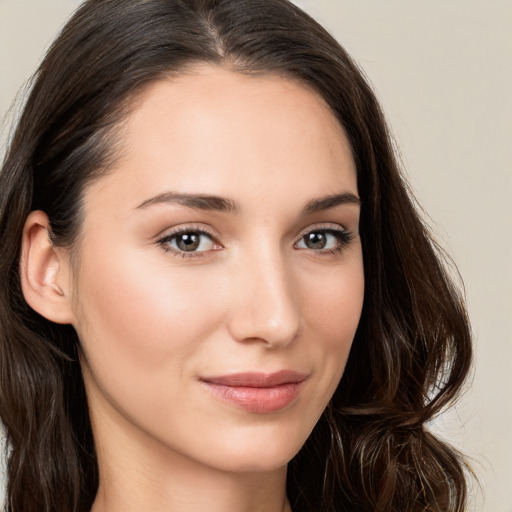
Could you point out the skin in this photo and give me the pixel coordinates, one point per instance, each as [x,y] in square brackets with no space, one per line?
[154,320]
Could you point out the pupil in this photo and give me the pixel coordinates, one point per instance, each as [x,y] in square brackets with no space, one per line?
[315,240]
[188,241]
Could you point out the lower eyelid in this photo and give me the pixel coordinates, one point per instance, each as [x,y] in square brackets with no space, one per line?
[165,240]
[343,238]
[342,235]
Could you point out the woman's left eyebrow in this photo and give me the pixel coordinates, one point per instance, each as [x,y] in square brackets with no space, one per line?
[327,202]
[224,204]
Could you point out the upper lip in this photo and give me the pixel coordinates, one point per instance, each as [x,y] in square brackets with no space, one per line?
[257,379]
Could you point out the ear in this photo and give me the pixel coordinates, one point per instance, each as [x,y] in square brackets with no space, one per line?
[45,271]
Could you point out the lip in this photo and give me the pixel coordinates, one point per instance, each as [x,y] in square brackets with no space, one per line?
[257,392]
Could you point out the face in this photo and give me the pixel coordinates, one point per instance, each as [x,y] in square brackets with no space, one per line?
[219,282]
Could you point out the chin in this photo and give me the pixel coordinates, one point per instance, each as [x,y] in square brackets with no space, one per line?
[255,449]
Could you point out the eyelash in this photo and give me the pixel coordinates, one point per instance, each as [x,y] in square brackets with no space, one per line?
[342,235]
[164,241]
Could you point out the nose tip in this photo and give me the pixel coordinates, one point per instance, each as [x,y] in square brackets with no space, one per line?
[266,307]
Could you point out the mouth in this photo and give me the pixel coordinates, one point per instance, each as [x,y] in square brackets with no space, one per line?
[257,392]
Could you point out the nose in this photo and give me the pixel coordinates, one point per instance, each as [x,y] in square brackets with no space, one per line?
[265,306]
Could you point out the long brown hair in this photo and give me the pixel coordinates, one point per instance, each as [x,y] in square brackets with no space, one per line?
[371,450]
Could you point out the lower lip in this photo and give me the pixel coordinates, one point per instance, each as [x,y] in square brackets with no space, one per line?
[257,400]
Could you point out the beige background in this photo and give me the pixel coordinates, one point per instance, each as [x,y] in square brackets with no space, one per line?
[443,72]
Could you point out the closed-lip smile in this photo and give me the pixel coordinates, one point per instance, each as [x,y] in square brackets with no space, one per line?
[257,392]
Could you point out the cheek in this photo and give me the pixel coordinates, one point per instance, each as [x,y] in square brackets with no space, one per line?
[331,312]
[141,315]
[334,303]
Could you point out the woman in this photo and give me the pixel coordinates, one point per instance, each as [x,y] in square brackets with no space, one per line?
[219,293]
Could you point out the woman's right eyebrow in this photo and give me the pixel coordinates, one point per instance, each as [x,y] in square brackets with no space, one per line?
[194,201]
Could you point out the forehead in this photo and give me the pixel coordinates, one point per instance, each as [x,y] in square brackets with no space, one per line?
[215,131]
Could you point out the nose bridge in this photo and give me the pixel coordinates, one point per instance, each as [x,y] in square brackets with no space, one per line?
[266,306]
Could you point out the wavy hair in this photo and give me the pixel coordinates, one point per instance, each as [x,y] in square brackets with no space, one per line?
[371,450]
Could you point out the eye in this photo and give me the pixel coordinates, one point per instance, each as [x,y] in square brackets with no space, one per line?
[189,241]
[326,239]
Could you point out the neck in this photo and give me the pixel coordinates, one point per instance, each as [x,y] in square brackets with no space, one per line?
[192,493]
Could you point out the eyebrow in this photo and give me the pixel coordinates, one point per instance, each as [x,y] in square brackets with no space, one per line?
[325,203]
[224,204]
[194,201]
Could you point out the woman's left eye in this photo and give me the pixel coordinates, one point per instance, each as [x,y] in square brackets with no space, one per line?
[324,240]
[188,241]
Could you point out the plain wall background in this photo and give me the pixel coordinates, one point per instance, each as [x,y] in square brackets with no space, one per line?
[443,72]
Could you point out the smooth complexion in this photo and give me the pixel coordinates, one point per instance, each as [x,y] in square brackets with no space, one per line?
[218,288]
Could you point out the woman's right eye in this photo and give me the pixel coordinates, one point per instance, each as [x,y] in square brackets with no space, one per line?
[189,242]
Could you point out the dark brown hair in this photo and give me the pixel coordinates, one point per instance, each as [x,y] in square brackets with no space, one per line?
[371,450]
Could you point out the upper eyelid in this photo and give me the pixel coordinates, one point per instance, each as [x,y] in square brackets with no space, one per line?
[170,232]
[324,227]
[205,230]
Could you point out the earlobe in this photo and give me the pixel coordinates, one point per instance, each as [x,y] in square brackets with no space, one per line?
[44,271]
